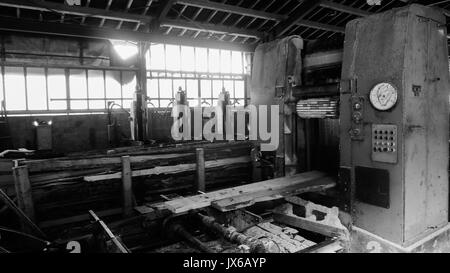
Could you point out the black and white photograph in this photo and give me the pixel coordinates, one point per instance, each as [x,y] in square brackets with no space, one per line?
[224,134]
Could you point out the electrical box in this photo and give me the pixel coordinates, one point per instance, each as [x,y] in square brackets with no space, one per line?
[394,115]
[44,137]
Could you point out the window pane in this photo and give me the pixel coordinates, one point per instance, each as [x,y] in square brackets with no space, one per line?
[225,61]
[157,57]
[96,89]
[78,89]
[239,89]
[56,89]
[217,88]
[36,89]
[165,88]
[188,58]
[236,61]
[15,88]
[193,102]
[228,85]
[192,89]
[201,59]
[205,88]
[152,88]
[113,89]
[128,86]
[247,63]
[152,104]
[214,60]
[173,58]
[164,104]
[127,104]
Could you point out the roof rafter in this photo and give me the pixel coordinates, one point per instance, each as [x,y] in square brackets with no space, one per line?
[184,24]
[74,10]
[75,30]
[232,9]
[344,8]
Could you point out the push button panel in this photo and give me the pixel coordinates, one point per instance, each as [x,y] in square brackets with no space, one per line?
[384,143]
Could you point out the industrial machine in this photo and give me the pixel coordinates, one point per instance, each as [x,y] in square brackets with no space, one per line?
[393,127]
[394,118]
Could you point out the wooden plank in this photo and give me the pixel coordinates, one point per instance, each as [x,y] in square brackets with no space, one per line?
[170,169]
[23,191]
[71,164]
[233,203]
[304,182]
[118,246]
[200,168]
[307,224]
[127,186]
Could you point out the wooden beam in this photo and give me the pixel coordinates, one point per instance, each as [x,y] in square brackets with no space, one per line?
[47,165]
[221,29]
[23,191]
[296,17]
[232,9]
[344,8]
[73,30]
[47,6]
[118,246]
[161,13]
[127,186]
[300,183]
[317,25]
[170,169]
[200,169]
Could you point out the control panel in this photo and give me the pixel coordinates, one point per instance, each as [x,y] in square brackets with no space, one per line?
[384,143]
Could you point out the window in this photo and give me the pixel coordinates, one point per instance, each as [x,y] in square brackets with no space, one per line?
[201,72]
[64,90]
[36,87]
[15,95]
[57,93]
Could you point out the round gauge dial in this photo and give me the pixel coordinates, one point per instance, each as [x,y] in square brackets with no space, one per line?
[383,96]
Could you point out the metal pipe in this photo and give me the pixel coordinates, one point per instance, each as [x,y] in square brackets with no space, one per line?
[230,233]
[182,232]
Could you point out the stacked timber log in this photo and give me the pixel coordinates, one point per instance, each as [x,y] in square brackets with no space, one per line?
[64,189]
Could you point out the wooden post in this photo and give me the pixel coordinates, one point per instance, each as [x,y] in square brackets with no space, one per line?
[256,172]
[23,191]
[127,186]
[200,178]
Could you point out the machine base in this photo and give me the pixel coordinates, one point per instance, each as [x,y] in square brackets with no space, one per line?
[363,241]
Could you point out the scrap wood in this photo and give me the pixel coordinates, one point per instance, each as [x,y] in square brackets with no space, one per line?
[329,225]
[171,169]
[286,243]
[304,182]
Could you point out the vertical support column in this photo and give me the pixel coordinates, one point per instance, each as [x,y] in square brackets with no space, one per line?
[127,186]
[200,177]
[23,191]
[141,95]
